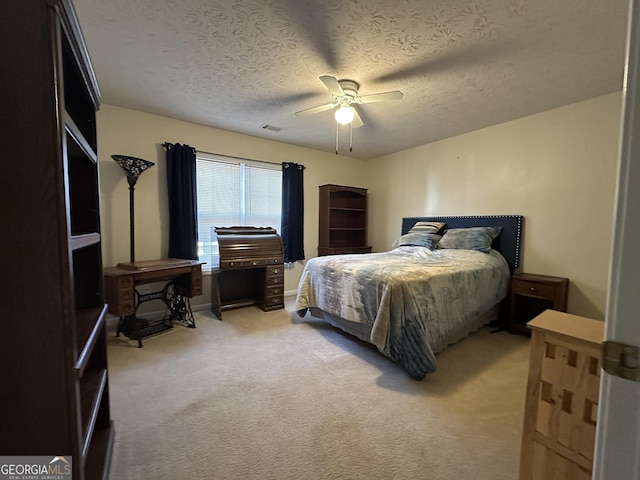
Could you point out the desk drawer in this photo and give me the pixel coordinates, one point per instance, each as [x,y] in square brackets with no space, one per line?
[125,299]
[196,283]
[230,264]
[277,301]
[275,280]
[234,264]
[123,303]
[275,269]
[274,291]
[125,295]
[124,281]
[124,308]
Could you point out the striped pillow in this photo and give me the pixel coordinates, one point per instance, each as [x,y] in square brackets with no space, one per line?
[427,227]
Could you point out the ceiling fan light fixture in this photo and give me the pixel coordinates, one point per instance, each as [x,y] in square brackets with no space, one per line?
[344,115]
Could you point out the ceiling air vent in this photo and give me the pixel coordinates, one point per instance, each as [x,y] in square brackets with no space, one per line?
[271,127]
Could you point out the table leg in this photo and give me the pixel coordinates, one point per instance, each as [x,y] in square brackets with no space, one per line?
[178,305]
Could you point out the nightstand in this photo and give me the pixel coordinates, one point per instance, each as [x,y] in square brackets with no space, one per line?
[531,295]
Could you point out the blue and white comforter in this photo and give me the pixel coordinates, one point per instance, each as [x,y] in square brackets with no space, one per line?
[413,298]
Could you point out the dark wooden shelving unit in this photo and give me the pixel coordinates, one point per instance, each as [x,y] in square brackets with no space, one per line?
[55,395]
[343,220]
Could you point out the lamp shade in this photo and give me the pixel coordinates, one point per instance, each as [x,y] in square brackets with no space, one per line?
[344,115]
[132,166]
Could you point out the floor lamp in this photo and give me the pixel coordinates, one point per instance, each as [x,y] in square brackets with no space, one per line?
[133,167]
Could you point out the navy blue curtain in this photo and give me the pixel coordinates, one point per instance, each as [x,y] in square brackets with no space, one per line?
[292,212]
[181,183]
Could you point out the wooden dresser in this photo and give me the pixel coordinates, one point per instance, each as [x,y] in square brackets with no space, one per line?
[251,269]
[561,402]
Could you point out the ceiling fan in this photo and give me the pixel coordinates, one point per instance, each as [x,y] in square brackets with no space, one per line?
[345,96]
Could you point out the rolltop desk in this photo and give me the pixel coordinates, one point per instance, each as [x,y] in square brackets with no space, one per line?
[250,269]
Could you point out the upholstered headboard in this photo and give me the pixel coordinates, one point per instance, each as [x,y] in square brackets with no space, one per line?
[508,242]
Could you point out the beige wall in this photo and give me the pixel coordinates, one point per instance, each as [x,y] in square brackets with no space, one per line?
[557,168]
[129,132]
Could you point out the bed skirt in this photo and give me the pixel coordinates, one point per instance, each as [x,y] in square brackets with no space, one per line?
[363,331]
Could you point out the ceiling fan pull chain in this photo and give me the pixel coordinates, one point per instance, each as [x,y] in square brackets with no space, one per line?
[351,137]
[337,136]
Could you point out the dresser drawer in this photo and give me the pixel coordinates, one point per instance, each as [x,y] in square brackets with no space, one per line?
[523,287]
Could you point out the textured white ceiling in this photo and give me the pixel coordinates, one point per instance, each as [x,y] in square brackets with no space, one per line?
[462,65]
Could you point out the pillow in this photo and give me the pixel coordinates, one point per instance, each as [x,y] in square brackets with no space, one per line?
[428,240]
[427,227]
[472,238]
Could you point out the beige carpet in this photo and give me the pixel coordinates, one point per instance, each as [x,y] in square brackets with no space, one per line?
[259,397]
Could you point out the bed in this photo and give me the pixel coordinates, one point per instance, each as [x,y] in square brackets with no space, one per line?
[443,278]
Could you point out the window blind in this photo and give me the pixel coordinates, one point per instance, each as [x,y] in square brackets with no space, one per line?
[235,193]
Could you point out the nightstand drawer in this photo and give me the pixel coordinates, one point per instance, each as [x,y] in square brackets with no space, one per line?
[535,289]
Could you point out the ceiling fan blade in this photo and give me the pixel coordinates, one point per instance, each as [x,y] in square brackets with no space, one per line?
[332,85]
[317,20]
[381,97]
[357,121]
[313,110]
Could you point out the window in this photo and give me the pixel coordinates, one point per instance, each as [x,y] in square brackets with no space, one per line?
[235,192]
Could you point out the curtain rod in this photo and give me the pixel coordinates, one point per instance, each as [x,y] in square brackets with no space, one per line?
[166,144]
